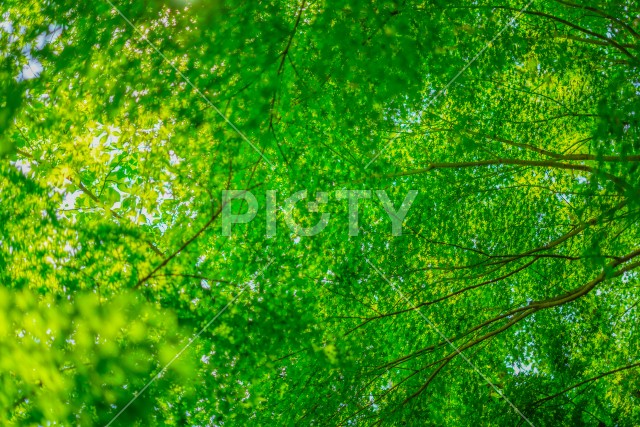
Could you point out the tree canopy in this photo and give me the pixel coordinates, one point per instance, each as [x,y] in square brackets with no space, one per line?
[510,298]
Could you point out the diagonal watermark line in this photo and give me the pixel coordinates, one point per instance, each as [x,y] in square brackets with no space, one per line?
[484,377]
[487,46]
[178,354]
[186,79]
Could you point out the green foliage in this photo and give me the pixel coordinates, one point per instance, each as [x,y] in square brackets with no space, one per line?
[521,247]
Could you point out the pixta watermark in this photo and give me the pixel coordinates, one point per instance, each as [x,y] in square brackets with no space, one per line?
[352,198]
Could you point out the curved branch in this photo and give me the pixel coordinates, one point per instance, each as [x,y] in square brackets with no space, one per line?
[589,380]
[621,184]
[603,14]
[526,311]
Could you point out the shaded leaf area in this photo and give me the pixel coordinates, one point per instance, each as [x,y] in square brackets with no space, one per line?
[120,128]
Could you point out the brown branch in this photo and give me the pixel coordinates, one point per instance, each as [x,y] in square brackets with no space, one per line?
[557,156]
[621,184]
[611,42]
[293,33]
[524,312]
[597,377]
[182,247]
[443,298]
[603,14]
